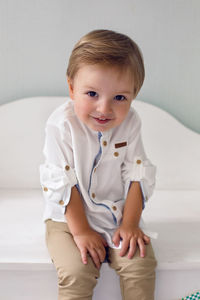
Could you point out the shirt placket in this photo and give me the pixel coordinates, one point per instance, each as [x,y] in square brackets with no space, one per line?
[93,178]
[103,143]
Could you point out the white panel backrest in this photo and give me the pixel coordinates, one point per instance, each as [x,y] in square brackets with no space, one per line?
[173,148]
[22,126]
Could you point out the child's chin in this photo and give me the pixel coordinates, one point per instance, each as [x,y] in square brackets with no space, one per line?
[99,128]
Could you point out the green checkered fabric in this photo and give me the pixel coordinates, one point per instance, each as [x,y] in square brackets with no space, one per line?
[195,296]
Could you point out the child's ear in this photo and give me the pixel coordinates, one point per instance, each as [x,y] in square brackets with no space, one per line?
[70,85]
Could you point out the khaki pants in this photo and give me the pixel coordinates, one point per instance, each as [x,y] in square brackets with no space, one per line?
[77,281]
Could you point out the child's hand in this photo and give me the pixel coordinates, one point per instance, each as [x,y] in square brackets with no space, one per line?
[131,238]
[93,243]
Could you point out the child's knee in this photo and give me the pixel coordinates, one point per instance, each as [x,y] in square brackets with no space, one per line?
[137,266]
[76,272]
[143,266]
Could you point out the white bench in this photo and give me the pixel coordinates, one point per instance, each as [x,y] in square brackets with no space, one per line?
[26,271]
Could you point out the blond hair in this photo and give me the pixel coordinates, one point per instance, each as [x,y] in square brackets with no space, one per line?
[109,48]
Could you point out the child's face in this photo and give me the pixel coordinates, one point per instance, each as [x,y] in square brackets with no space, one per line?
[102,96]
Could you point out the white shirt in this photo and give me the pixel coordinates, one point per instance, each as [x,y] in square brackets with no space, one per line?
[100,164]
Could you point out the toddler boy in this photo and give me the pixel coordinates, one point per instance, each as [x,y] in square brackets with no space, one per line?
[96,176]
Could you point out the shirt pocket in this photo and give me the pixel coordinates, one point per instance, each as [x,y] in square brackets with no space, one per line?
[116,154]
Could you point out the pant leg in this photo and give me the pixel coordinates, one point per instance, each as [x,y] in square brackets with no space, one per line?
[137,275]
[75,280]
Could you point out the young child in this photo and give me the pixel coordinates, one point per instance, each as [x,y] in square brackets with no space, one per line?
[96,176]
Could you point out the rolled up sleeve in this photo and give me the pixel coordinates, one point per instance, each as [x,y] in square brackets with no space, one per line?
[57,175]
[137,167]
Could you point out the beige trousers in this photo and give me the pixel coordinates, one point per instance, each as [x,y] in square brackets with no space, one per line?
[77,281]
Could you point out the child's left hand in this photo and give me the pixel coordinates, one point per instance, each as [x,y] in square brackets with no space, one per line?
[132,237]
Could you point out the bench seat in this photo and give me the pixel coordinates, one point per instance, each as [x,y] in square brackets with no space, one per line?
[23,249]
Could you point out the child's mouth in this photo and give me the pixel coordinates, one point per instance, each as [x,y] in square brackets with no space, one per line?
[102,120]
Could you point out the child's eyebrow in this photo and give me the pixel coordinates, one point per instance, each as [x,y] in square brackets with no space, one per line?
[124,92]
[90,88]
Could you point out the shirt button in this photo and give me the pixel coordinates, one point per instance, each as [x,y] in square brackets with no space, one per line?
[95,169]
[93,195]
[116,154]
[61,202]
[104,143]
[114,207]
[67,168]
[138,161]
[45,189]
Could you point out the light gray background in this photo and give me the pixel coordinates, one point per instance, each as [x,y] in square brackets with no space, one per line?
[37,36]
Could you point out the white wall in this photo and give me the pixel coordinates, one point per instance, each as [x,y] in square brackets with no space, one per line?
[37,36]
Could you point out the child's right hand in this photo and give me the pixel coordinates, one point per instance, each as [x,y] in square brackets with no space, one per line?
[93,243]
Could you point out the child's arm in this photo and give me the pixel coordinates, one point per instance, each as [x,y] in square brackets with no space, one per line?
[86,239]
[129,231]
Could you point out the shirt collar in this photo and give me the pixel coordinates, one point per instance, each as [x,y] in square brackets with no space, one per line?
[106,134]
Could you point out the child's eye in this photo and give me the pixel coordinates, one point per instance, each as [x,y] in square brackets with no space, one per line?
[92,94]
[120,98]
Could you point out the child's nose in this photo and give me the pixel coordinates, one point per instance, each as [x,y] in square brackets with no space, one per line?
[104,107]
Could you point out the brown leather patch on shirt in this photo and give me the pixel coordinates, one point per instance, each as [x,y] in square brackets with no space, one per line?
[119,145]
